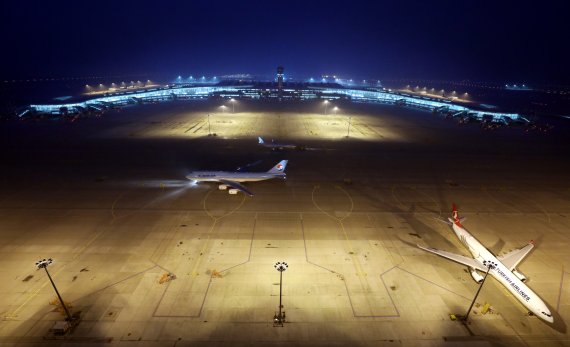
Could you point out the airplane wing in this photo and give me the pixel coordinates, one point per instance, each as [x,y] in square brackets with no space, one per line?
[456,258]
[513,258]
[237,186]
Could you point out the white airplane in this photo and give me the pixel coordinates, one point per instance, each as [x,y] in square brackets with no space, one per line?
[232,179]
[278,146]
[503,268]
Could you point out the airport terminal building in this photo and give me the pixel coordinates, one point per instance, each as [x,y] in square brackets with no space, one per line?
[270,91]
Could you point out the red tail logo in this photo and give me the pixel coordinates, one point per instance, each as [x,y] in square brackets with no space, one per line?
[456,216]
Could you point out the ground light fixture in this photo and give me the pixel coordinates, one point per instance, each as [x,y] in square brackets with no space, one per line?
[43,264]
[279,319]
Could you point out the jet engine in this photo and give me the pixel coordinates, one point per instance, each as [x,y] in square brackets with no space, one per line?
[233,191]
[478,278]
[222,187]
[519,275]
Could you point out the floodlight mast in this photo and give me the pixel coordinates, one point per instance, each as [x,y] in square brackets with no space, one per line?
[279,319]
[209,128]
[489,267]
[43,264]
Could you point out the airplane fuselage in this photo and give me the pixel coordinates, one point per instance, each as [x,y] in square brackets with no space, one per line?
[216,176]
[501,273]
[279,146]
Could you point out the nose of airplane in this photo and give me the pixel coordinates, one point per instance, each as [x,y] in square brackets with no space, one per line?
[549,318]
[545,314]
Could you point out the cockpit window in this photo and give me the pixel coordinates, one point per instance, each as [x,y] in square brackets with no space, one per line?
[546,314]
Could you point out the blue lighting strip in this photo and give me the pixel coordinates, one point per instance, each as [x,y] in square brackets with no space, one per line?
[201,92]
[393,98]
[124,99]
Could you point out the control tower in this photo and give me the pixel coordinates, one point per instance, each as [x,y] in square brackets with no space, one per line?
[280,81]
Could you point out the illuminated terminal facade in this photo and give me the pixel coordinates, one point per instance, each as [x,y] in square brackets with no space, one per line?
[262,90]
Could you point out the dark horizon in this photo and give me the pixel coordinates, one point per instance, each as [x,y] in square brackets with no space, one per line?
[516,42]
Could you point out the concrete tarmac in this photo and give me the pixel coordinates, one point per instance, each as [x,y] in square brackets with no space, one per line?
[106,198]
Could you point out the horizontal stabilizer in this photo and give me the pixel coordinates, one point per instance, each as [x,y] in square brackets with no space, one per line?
[472,263]
[443,221]
[513,258]
[460,219]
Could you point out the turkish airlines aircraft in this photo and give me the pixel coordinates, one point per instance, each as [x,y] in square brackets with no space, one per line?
[232,179]
[503,268]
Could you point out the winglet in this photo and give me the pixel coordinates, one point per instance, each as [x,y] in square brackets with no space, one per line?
[260,140]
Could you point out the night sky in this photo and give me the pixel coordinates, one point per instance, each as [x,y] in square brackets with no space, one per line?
[454,40]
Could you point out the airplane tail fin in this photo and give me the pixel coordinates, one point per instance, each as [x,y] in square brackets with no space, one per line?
[260,140]
[279,168]
[456,220]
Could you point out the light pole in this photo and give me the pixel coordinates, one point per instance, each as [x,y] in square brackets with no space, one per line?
[233,101]
[326,104]
[279,319]
[335,109]
[489,267]
[223,107]
[209,129]
[348,130]
[43,264]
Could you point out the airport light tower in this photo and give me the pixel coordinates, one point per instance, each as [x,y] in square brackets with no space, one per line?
[43,264]
[280,81]
[489,267]
[279,319]
[209,128]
